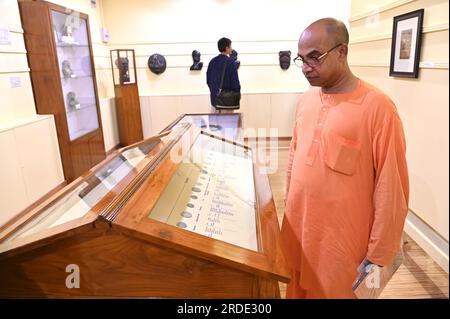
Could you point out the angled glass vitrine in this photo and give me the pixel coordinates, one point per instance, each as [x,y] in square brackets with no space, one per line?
[184,206]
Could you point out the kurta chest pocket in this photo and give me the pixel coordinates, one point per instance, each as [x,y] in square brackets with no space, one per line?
[341,154]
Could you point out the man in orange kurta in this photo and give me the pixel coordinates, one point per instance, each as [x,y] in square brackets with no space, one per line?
[347,181]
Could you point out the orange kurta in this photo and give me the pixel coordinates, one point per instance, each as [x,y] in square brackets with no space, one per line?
[346,189]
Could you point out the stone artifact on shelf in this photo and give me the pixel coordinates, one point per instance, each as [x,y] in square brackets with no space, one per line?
[67,70]
[73,101]
[67,37]
[123,63]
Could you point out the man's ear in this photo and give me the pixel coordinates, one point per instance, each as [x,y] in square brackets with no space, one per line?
[343,50]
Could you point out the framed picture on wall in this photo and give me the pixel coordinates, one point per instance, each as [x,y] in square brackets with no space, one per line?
[406,42]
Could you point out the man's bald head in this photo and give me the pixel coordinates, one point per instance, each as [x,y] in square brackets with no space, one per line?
[323,49]
[336,31]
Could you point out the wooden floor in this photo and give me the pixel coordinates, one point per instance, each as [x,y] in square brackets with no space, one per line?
[418,277]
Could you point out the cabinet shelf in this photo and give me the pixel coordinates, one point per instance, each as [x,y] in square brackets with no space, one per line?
[71,45]
[82,106]
[77,77]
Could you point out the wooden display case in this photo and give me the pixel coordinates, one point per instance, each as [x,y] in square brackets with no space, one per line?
[123,65]
[59,54]
[185,214]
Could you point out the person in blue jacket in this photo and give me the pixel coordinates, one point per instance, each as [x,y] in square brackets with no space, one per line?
[214,73]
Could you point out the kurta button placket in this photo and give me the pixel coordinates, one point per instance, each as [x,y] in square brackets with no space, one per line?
[315,145]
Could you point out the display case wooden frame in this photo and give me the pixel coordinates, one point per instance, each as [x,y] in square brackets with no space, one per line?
[123,66]
[79,151]
[120,252]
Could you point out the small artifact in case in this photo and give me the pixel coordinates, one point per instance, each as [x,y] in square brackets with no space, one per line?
[72,100]
[67,70]
[68,35]
[123,63]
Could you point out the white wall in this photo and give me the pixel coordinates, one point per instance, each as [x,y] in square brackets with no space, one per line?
[261,112]
[423,105]
[174,28]
[16,103]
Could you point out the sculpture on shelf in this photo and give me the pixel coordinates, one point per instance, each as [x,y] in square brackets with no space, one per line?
[72,100]
[197,66]
[125,70]
[68,35]
[157,63]
[285,59]
[234,55]
[67,70]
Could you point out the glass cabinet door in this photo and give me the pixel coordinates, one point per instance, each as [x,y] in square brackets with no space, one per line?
[74,60]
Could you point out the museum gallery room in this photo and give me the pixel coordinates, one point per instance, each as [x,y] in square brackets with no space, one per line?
[224,149]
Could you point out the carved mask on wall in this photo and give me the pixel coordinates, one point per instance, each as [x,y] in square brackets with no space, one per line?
[157,63]
[285,59]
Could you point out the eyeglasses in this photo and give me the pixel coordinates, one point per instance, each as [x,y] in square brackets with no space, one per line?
[312,61]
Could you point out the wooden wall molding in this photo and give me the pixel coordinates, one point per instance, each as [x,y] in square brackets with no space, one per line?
[385,36]
[388,6]
[16,29]
[422,65]
[6,71]
[214,42]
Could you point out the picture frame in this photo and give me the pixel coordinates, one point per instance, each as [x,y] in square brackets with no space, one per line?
[406,44]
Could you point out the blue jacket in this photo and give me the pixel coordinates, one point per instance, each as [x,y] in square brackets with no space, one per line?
[214,74]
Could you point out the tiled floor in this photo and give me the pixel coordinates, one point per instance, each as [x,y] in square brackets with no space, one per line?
[418,277]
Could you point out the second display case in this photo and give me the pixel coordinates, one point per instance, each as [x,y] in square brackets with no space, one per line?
[63,78]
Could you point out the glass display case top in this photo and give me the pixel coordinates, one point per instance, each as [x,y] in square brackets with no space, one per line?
[212,193]
[106,180]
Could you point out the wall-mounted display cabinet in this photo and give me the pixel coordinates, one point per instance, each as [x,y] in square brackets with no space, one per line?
[63,79]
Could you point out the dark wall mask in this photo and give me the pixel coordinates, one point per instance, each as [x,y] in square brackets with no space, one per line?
[285,59]
[157,63]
